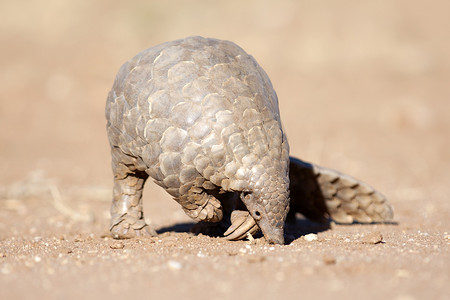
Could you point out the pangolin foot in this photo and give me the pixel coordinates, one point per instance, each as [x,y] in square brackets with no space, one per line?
[124,228]
[242,223]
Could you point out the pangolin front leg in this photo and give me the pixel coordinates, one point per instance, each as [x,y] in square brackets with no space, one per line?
[230,217]
[201,204]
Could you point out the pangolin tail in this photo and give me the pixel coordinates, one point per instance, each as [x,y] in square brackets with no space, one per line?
[320,193]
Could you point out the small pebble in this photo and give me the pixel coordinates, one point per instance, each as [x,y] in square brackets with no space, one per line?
[67,250]
[117,245]
[174,265]
[329,260]
[250,238]
[78,239]
[373,238]
[310,237]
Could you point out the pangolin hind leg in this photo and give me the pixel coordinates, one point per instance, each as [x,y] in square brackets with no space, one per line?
[127,216]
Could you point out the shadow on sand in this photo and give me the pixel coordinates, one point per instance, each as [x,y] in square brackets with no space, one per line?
[293,230]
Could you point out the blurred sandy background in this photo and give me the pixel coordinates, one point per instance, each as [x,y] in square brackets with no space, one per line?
[363,86]
[352,77]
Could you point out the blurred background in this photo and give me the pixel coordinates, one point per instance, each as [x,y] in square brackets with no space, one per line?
[363,86]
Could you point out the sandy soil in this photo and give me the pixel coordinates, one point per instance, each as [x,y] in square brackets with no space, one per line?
[363,88]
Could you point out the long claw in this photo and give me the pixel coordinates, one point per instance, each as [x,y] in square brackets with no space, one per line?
[238,217]
[241,233]
[241,225]
[251,231]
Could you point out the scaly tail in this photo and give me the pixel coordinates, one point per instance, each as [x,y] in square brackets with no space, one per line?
[318,192]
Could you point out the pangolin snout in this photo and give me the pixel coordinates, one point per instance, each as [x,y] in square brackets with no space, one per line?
[272,229]
[273,235]
[270,223]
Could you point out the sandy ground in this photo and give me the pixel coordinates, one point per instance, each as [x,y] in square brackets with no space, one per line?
[363,88]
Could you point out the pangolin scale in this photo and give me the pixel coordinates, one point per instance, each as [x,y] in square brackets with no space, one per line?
[200,117]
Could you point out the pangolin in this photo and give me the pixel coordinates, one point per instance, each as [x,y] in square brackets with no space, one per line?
[201,118]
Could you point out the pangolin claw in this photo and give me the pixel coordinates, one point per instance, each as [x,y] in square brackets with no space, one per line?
[242,223]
